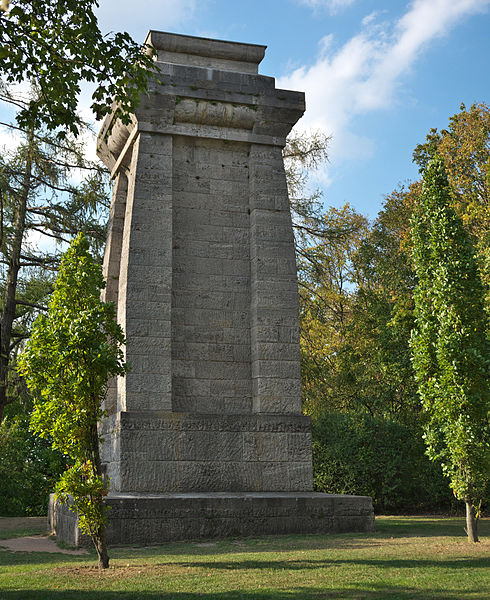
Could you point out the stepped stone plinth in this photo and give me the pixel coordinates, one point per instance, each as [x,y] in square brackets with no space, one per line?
[204,436]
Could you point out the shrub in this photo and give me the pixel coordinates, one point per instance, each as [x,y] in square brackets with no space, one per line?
[362,455]
[29,469]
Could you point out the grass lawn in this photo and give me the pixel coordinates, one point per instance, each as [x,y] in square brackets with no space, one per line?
[424,558]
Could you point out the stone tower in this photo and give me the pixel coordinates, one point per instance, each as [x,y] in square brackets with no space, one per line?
[205,435]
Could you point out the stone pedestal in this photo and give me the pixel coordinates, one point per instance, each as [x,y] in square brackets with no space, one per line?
[138,518]
[205,436]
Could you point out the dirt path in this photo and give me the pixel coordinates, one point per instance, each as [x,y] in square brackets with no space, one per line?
[35,543]
[36,539]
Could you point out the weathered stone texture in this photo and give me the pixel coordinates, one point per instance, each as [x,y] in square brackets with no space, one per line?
[211,270]
[158,518]
[195,453]
[200,261]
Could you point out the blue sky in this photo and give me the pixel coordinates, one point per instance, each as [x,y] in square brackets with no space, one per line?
[377,74]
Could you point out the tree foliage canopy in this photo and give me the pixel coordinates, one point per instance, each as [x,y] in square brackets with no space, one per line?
[39,203]
[363,363]
[465,149]
[57,45]
[451,353]
[71,353]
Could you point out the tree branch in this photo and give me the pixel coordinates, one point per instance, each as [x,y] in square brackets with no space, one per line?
[31,304]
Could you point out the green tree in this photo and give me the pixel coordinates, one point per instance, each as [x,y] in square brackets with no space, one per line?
[39,200]
[29,467]
[356,453]
[72,352]
[465,149]
[57,45]
[374,361]
[451,353]
[327,280]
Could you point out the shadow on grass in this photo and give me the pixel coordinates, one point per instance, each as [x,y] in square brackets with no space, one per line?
[303,565]
[373,592]
[428,527]
[20,558]
[250,546]
[42,558]
[228,556]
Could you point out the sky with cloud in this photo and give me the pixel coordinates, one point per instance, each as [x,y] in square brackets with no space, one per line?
[375,70]
[378,74]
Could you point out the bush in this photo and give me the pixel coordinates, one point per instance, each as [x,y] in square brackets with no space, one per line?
[362,455]
[29,469]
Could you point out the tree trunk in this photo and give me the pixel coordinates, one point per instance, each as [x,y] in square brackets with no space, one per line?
[471,522]
[7,317]
[101,547]
[100,537]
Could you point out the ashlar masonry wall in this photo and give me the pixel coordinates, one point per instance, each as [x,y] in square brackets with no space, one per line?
[204,436]
[200,261]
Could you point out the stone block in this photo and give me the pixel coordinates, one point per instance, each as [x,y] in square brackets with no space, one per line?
[143,519]
[200,260]
[262,446]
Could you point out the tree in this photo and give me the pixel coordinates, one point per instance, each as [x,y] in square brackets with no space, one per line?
[327,280]
[72,352]
[29,467]
[304,153]
[374,362]
[38,199]
[451,353]
[58,45]
[465,149]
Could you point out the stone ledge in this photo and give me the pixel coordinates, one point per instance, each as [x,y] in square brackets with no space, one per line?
[169,421]
[172,43]
[159,518]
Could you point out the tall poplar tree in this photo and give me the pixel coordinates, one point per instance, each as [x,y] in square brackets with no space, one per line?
[451,353]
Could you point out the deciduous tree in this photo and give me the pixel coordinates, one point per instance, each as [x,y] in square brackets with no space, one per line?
[451,353]
[327,281]
[465,149]
[57,45]
[39,200]
[72,352]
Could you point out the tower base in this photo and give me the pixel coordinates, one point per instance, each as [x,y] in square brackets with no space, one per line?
[142,519]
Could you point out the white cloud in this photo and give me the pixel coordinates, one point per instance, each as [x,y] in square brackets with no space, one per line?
[124,15]
[334,6]
[364,74]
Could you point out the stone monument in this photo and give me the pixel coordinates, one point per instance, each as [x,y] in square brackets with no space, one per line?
[205,436]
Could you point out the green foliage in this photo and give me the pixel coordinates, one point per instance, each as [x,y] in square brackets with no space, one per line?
[83,484]
[29,468]
[326,283]
[451,354]
[72,352]
[374,361]
[465,149]
[355,453]
[356,315]
[58,45]
[39,200]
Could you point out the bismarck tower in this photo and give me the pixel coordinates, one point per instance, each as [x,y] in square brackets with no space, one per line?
[205,435]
